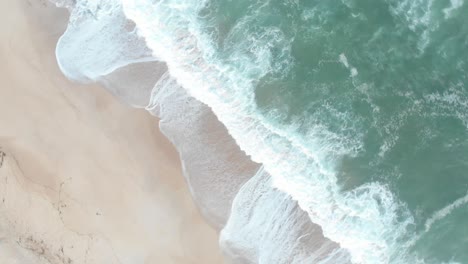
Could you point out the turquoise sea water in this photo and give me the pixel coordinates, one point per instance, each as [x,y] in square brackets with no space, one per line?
[357,108]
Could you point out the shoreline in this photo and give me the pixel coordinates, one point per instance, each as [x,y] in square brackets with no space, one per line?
[63,197]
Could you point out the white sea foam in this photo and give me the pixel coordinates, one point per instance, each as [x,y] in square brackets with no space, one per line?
[344,60]
[452,102]
[442,213]
[99,40]
[266,226]
[418,17]
[454,5]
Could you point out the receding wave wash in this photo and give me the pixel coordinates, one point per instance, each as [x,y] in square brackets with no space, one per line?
[353,115]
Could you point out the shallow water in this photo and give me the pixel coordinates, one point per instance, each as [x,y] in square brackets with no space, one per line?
[357,110]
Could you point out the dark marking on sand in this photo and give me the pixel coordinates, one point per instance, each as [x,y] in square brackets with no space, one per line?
[2,158]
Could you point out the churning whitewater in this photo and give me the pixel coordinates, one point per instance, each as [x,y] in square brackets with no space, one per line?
[354,112]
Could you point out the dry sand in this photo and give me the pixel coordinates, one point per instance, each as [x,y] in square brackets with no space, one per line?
[83,178]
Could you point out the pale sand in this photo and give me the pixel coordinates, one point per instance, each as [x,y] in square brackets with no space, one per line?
[84,178]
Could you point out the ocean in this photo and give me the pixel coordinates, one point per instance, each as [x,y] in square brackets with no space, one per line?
[354,114]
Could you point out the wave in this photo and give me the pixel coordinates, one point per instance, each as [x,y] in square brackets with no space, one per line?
[442,213]
[213,164]
[267,226]
[98,29]
[367,221]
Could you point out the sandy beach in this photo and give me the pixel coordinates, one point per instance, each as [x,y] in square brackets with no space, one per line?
[83,177]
